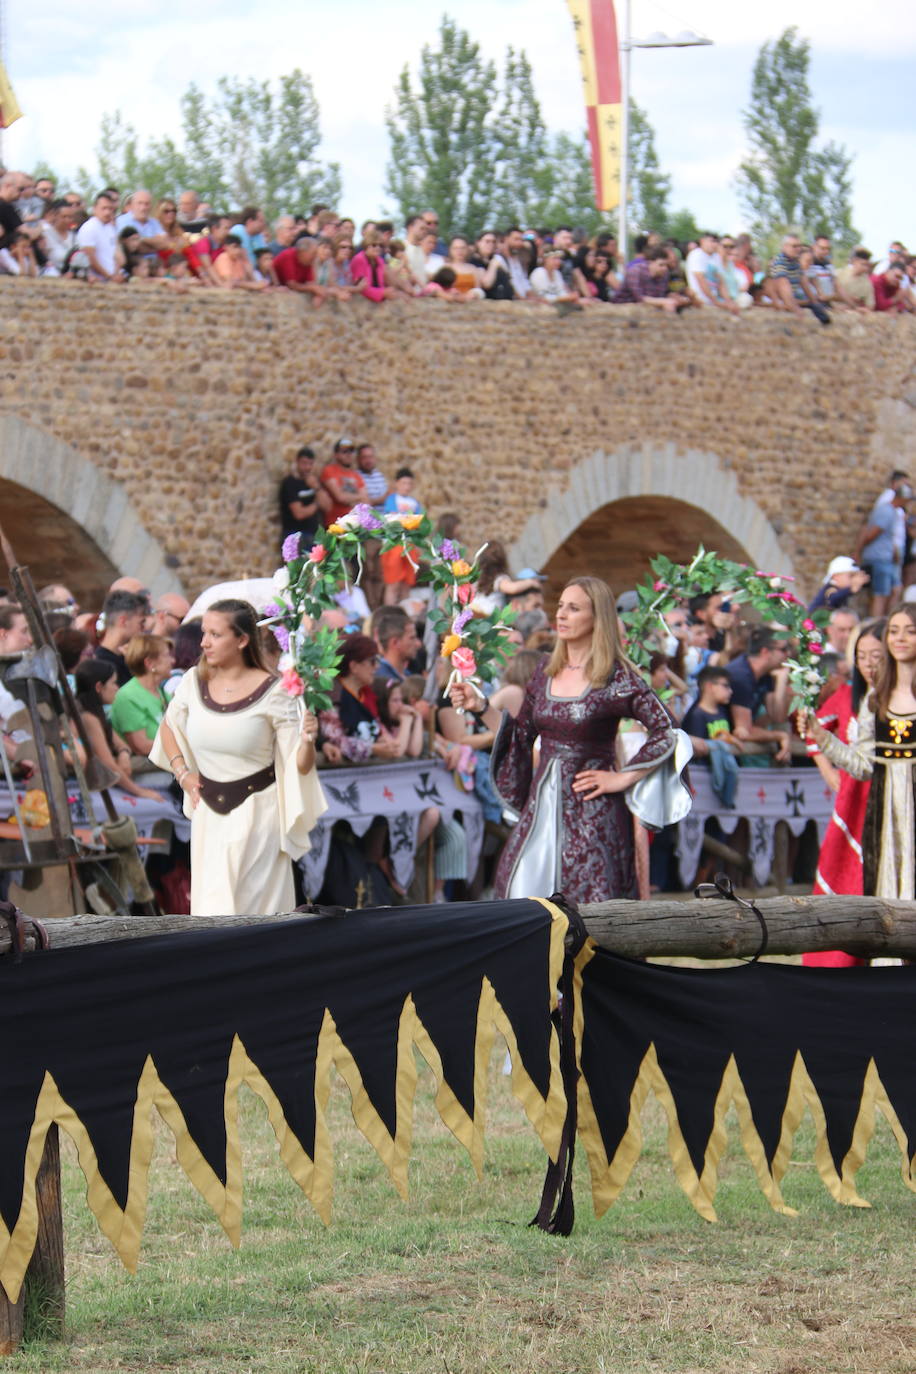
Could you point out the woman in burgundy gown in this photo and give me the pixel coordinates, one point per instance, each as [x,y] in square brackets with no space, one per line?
[575,833]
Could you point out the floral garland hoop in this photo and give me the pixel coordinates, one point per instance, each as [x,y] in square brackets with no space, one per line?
[312,576]
[674,583]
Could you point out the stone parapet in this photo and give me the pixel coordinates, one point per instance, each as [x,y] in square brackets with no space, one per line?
[191,408]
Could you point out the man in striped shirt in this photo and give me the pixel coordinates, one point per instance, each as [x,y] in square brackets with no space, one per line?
[375,481]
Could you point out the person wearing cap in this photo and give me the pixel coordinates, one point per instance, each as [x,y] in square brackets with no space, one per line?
[342,482]
[876,548]
[844,579]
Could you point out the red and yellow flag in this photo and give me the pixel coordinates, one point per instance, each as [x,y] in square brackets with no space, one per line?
[596,39]
[9,109]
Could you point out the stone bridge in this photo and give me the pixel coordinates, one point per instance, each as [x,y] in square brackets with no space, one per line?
[144,433]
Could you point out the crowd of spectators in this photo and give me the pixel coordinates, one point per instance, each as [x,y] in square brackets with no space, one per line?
[721,676]
[186,244]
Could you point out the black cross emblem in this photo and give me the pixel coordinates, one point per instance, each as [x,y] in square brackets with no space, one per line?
[795,798]
[428,791]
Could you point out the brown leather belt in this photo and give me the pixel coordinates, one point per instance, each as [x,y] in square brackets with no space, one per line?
[224,797]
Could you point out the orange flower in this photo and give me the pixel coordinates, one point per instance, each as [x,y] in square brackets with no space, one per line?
[336,529]
[410,522]
[450,644]
[461,567]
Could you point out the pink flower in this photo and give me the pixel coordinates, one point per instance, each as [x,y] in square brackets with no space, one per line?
[659,586]
[464,661]
[465,591]
[808,625]
[292,683]
[815,648]
[317,553]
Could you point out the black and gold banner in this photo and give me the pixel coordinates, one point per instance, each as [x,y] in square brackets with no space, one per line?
[770,1040]
[95,1037]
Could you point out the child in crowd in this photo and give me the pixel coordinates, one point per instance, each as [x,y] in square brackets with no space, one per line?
[443,285]
[398,572]
[398,271]
[264,267]
[709,725]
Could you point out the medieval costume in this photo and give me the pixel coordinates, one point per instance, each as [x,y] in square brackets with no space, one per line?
[256,809]
[884,751]
[562,842]
[839,867]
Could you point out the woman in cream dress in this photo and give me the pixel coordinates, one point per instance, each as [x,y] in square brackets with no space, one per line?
[247,769]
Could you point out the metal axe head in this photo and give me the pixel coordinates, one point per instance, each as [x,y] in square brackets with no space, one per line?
[38,664]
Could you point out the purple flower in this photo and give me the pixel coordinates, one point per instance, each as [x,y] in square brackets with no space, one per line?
[290,548]
[365,517]
[281,635]
[461,620]
[271,611]
[449,550]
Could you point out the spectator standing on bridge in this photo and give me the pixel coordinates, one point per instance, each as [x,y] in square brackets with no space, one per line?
[299,493]
[247,769]
[575,703]
[879,545]
[344,485]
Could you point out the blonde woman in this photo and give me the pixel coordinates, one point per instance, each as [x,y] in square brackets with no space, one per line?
[575,833]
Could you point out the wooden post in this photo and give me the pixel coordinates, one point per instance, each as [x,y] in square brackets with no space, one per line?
[41,1306]
[10,1322]
[45,1284]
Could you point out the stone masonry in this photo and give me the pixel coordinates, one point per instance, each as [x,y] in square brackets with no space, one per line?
[160,424]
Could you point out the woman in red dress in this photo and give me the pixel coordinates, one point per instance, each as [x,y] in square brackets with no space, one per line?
[839,867]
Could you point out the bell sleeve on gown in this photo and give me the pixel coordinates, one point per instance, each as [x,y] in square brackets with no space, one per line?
[856,759]
[512,758]
[645,707]
[300,800]
[176,717]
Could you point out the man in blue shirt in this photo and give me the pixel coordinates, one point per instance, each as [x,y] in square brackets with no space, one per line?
[753,686]
[877,548]
[250,231]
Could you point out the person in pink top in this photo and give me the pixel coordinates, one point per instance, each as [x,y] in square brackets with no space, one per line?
[368,270]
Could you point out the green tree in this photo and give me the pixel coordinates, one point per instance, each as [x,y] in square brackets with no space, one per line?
[649,186]
[522,148]
[682,226]
[249,145]
[442,146]
[787,181]
[569,186]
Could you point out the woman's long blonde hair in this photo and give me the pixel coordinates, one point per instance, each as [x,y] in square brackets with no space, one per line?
[606,651]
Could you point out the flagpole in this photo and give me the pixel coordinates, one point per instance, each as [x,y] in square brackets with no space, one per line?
[625,47]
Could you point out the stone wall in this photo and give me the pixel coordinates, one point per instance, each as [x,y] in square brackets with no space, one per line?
[189,409]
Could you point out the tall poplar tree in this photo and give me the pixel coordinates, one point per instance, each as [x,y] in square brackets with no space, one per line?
[787,181]
[442,154]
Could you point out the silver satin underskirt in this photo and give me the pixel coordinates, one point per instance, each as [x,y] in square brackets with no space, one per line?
[537,868]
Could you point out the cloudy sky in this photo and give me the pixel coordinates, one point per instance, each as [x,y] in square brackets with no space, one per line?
[69,65]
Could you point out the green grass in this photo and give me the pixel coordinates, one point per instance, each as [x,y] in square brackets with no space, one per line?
[454,1282]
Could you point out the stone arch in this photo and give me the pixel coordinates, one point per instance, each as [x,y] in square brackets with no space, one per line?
[47,488]
[643,478]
